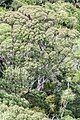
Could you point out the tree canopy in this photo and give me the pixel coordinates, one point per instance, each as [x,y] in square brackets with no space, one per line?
[40,44]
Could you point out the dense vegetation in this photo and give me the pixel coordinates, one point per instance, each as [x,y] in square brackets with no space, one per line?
[40,59]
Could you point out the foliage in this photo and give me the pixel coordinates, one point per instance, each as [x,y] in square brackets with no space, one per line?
[37,99]
[68,118]
[41,44]
[19,113]
[12,99]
